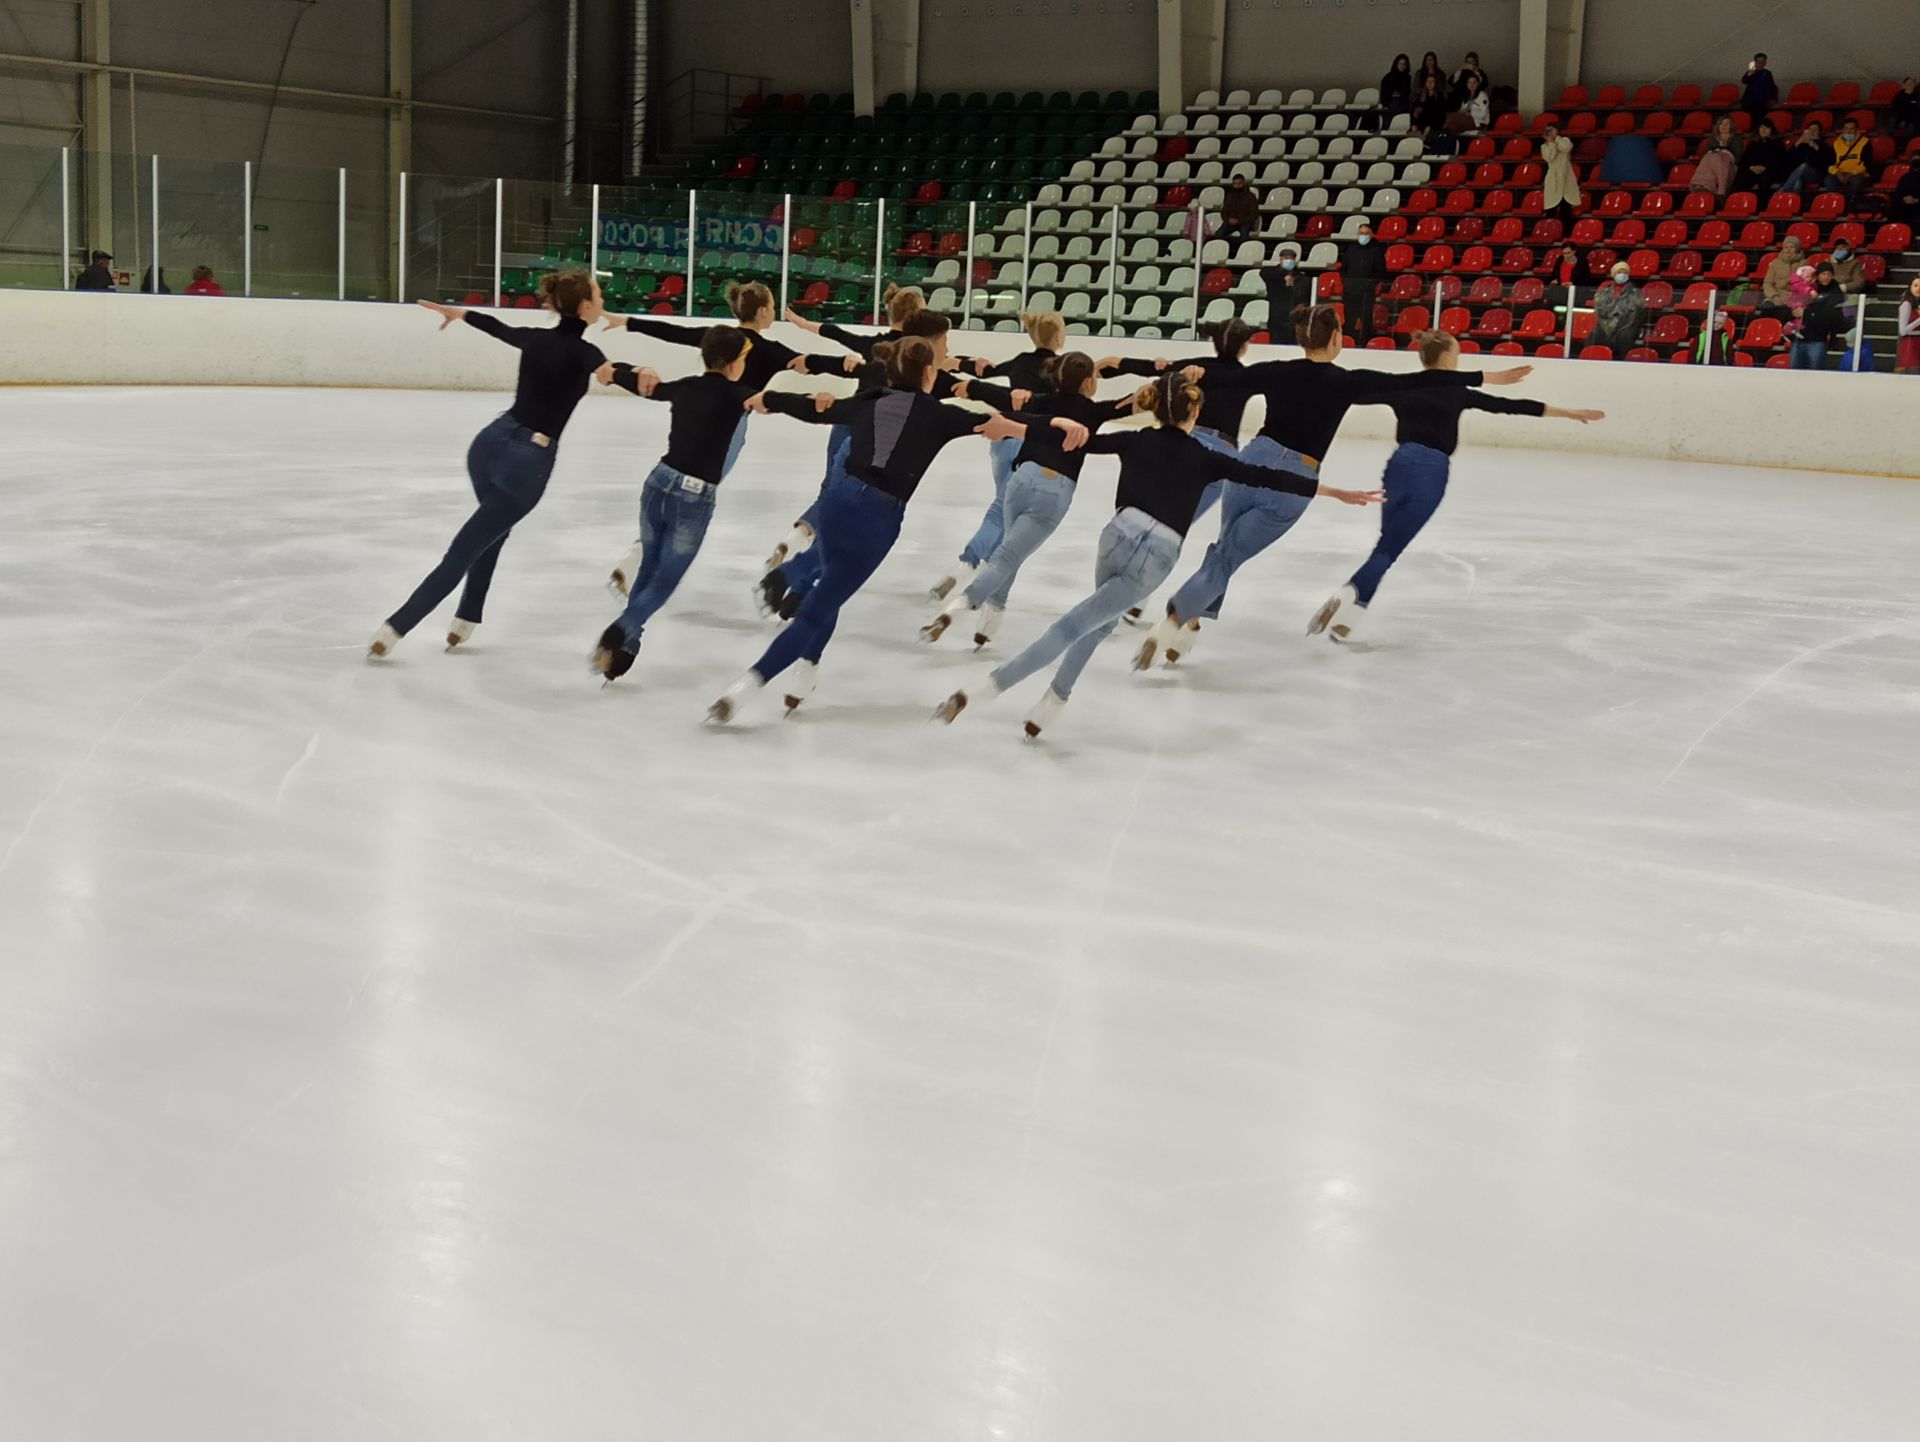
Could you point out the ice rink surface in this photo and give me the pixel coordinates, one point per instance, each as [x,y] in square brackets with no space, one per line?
[1507,1030]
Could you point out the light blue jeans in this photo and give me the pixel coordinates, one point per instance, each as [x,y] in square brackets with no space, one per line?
[1214,441]
[1251,519]
[993,524]
[1136,554]
[734,447]
[1037,501]
[675,510]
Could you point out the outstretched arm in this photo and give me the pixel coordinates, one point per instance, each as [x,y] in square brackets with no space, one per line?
[793,317]
[513,335]
[688,335]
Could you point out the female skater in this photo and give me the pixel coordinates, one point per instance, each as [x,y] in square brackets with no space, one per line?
[511,460]
[1306,401]
[896,435]
[1163,471]
[752,307]
[1416,476]
[677,502]
[1039,491]
[1026,371]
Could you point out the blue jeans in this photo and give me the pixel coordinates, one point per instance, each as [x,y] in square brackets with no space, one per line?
[802,571]
[1214,441]
[1037,501]
[1136,554]
[858,525]
[734,447]
[674,513]
[1808,355]
[993,523]
[509,474]
[1251,519]
[1802,177]
[1416,483]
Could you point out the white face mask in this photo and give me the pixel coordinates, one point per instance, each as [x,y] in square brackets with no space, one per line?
[1289,263]
[1366,240]
[1620,277]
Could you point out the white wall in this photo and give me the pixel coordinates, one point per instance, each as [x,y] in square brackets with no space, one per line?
[1027,45]
[1648,41]
[1761,417]
[1297,42]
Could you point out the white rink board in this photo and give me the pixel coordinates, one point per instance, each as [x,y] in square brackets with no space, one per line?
[1507,1030]
[1827,422]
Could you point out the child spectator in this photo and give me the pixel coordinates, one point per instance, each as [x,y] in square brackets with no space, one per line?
[204,283]
[1907,361]
[1800,295]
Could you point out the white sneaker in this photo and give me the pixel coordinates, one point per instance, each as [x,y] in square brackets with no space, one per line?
[986,623]
[1185,638]
[460,632]
[721,712]
[383,642]
[1330,608]
[949,710]
[625,569]
[1157,641]
[798,539]
[943,588]
[1044,711]
[1347,622]
[798,683]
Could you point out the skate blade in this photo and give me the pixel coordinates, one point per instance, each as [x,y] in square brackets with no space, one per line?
[794,703]
[943,589]
[1340,632]
[935,629]
[1033,731]
[949,710]
[1134,616]
[1144,661]
[779,555]
[980,642]
[1323,615]
[720,712]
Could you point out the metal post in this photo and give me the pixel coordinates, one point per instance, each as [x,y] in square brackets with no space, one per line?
[1313,293]
[340,283]
[879,255]
[966,280]
[1198,246]
[1573,299]
[499,239]
[1859,340]
[246,228]
[155,208]
[786,248]
[693,213]
[1713,298]
[593,234]
[400,251]
[1438,299]
[1026,260]
[1113,265]
[66,219]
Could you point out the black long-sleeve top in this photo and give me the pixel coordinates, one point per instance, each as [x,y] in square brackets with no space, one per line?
[1164,471]
[1768,153]
[1223,406]
[1396,85]
[766,358]
[1826,316]
[896,434]
[1026,372]
[1045,444]
[1307,400]
[860,345]
[556,361]
[707,409]
[1432,417]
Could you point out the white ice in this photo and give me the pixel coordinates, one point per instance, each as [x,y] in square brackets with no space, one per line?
[1503,1031]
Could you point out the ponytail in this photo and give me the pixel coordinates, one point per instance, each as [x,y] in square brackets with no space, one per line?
[907,361]
[1171,400]
[747,299]
[1068,374]
[566,291]
[1229,337]
[1434,346]
[1047,329]
[1315,326]
[902,305]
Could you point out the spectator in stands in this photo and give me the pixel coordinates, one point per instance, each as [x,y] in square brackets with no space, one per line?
[1457,86]
[1763,162]
[1848,173]
[1396,87]
[1719,160]
[204,283]
[98,275]
[147,285]
[1715,347]
[1363,269]
[1571,268]
[1807,162]
[1429,69]
[1822,321]
[1777,283]
[1286,285]
[1849,269]
[1907,358]
[1239,212]
[1430,111]
[1560,189]
[1619,312]
[1906,197]
[1903,115]
[1475,106]
[1758,92]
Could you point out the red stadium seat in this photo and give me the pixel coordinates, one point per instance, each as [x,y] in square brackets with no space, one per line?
[1489,174]
[1685,265]
[1382,342]
[1892,238]
[1573,97]
[1391,230]
[1763,333]
[1578,127]
[1587,232]
[1804,94]
[1407,286]
[1437,258]
[1528,174]
[1756,235]
[1723,97]
[1219,281]
[1729,265]
[1697,122]
[1697,204]
[1611,97]
[1509,123]
[1659,123]
[1552,350]
[1658,294]
[1618,123]
[1486,291]
[1628,233]
[1784,205]
[1528,291]
[1478,149]
[1399,257]
[1413,318]
[1452,175]
[1507,347]
[1430,230]
[1642,354]
[1656,203]
[1456,320]
[1459,202]
[1472,228]
[1671,151]
[1517,260]
[1670,234]
[1883,93]
[1596,352]
[1648,97]
[1422,199]
[1741,205]
[1698,297]
[1843,94]
[1643,264]
[1498,202]
[1548,231]
[1494,324]
[1713,235]
[1476,260]
[1614,203]
[1670,330]
[1537,324]
[1807,233]
[1507,230]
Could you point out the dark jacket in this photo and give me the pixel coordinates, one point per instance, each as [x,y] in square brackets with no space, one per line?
[1396,89]
[1770,153]
[1759,91]
[1826,318]
[1363,264]
[94,277]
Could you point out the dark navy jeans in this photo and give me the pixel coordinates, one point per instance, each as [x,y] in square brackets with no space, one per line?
[858,525]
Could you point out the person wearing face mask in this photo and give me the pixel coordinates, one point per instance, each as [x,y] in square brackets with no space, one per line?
[1363,268]
[1823,321]
[1619,311]
[1848,173]
[1849,269]
[1807,162]
[1287,285]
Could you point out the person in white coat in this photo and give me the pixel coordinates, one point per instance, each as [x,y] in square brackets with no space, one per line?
[1560,190]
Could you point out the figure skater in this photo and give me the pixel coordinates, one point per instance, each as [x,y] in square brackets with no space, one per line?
[677,502]
[897,433]
[1038,492]
[1163,472]
[511,460]
[1306,401]
[1428,429]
